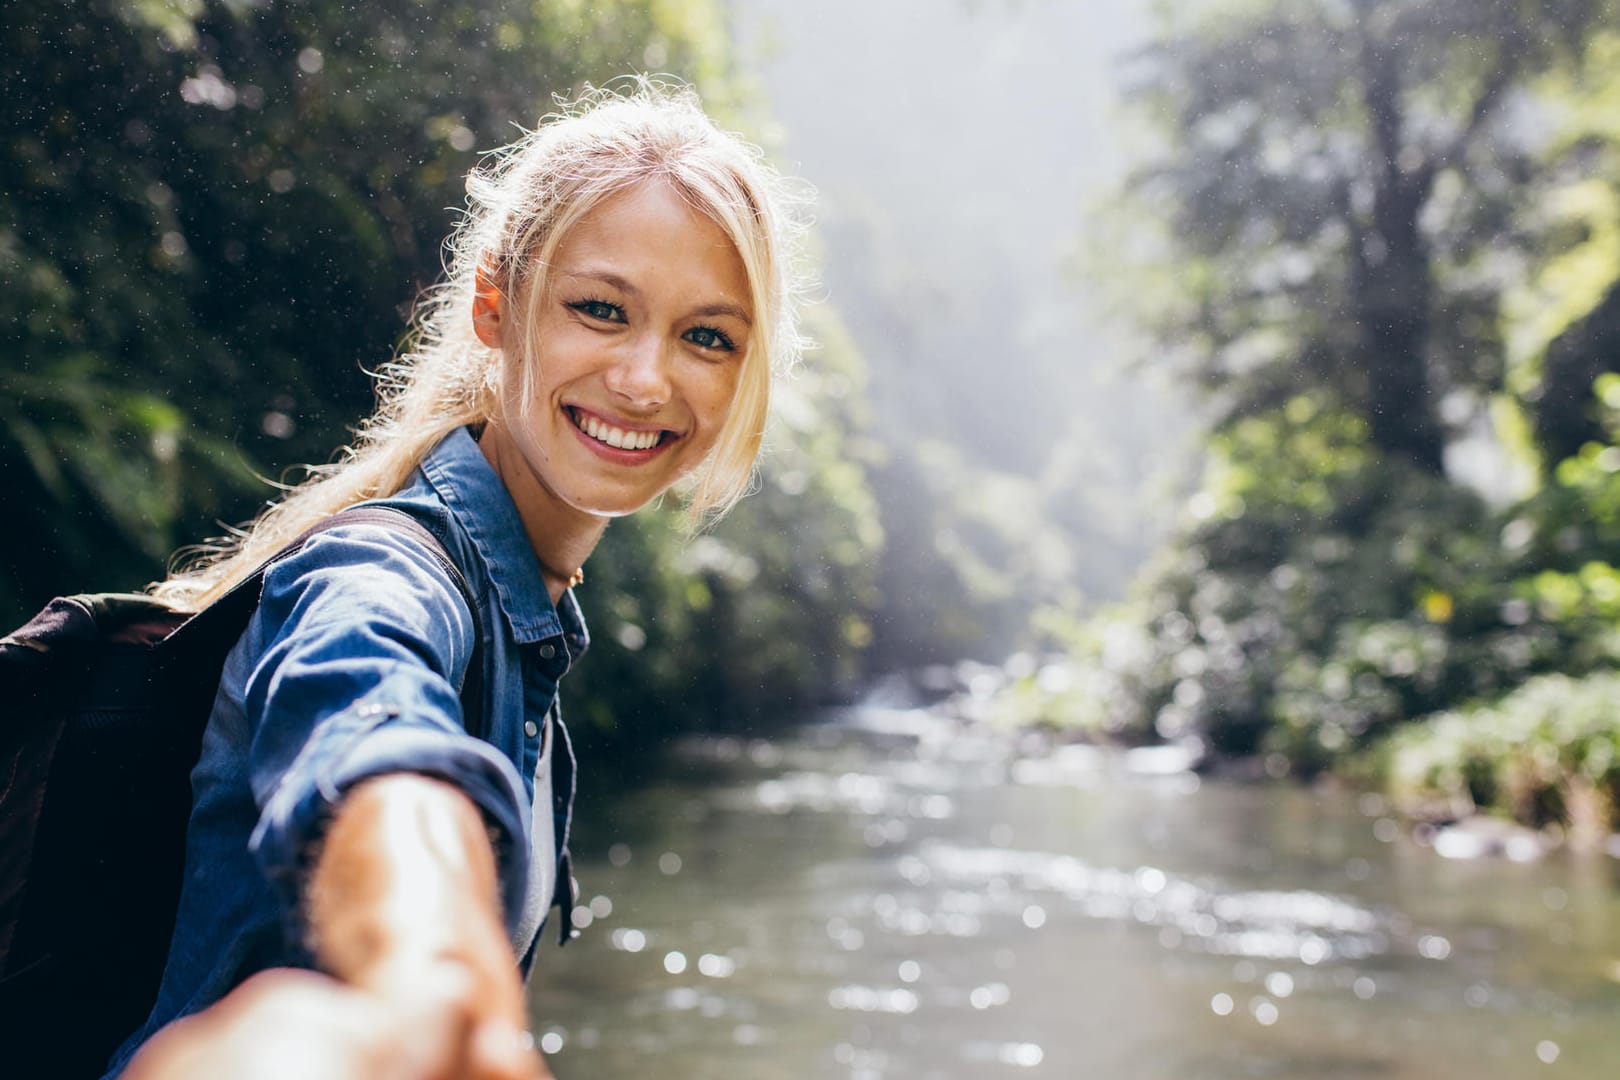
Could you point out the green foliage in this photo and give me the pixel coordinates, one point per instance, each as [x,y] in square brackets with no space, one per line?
[1548,753]
[1562,322]
[1322,597]
[1544,753]
[1098,689]
[1567,533]
[1297,460]
[89,457]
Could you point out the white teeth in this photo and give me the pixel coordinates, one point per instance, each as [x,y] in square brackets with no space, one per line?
[616,437]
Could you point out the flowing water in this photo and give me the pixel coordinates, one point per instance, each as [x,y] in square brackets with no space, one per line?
[886,895]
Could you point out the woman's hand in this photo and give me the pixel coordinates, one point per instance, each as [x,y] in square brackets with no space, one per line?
[404,905]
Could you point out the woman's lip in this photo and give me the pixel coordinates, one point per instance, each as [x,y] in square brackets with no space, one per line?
[576,411]
[619,454]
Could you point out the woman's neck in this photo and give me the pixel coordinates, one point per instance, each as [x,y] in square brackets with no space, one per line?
[561,536]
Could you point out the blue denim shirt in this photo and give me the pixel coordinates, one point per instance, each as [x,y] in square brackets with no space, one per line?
[350,669]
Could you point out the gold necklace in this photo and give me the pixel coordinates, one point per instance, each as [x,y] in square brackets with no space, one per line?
[548,575]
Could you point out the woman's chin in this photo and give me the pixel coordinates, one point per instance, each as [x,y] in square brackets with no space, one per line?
[612,507]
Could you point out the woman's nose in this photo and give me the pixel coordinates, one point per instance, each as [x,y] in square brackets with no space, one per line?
[640,376]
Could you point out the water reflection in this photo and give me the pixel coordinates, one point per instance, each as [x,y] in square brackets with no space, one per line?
[891,896]
[1302,925]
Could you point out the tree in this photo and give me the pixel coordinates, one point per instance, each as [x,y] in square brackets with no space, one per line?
[1564,320]
[1334,181]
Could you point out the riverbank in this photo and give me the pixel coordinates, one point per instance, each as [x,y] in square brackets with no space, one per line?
[1535,771]
[1544,758]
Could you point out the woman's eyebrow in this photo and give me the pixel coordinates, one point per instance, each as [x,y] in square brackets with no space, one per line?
[608,277]
[732,310]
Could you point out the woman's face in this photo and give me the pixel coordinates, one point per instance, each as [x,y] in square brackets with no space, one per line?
[641,336]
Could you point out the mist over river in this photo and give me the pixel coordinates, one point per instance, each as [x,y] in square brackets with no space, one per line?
[888,894]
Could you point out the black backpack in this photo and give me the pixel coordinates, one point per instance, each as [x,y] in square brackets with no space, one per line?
[103,702]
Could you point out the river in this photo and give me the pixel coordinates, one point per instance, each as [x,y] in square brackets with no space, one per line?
[887,895]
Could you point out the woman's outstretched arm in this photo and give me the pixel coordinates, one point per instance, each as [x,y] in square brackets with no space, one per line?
[404,913]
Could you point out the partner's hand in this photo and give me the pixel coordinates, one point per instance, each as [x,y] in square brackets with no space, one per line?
[286,1023]
[467,1030]
[404,905]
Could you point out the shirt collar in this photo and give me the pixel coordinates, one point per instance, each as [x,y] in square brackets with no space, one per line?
[464,479]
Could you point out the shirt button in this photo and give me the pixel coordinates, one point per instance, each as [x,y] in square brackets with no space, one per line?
[530,728]
[547,651]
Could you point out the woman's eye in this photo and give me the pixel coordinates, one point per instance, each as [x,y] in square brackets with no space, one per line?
[707,337]
[599,309]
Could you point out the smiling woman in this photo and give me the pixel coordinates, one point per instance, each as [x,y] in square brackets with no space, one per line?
[385,787]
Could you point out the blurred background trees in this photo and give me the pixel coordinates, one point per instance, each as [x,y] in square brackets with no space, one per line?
[1379,236]
[1343,186]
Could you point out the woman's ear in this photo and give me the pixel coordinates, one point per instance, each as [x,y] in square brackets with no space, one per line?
[488,307]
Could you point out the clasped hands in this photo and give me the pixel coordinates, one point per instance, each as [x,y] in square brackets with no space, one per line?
[404,914]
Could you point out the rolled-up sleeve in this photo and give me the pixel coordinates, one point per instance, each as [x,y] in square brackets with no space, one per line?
[361,640]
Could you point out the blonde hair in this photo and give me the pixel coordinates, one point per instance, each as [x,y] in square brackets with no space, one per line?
[522,200]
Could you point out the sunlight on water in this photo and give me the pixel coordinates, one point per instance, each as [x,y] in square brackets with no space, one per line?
[886,901]
[872,999]
[1303,925]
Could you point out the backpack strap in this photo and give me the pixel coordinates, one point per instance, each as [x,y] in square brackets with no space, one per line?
[472,684]
[231,612]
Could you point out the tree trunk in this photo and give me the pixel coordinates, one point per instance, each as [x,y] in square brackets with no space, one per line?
[1393,295]
[1563,409]
[1393,288]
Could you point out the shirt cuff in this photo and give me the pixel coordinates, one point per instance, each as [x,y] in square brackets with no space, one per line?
[384,741]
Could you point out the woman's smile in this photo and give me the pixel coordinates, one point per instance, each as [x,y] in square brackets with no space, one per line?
[634,443]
